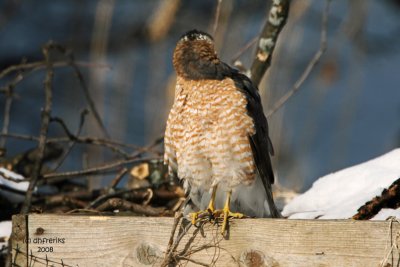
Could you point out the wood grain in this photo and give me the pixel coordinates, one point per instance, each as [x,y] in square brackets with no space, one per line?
[141,241]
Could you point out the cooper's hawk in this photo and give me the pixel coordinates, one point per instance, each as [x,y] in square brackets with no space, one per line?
[217,135]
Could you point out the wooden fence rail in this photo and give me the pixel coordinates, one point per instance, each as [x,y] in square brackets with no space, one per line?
[75,240]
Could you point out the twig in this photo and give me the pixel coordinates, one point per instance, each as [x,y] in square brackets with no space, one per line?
[87,140]
[276,21]
[192,260]
[216,19]
[170,257]
[310,66]
[75,138]
[118,178]
[73,142]
[65,200]
[20,136]
[6,119]
[88,97]
[110,191]
[12,179]
[86,92]
[56,177]
[244,49]
[117,203]
[42,64]
[9,92]
[148,148]
[43,131]
[177,218]
[71,62]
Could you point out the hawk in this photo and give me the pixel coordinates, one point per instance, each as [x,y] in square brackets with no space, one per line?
[216,137]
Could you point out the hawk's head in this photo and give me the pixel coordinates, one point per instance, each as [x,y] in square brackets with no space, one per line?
[195,57]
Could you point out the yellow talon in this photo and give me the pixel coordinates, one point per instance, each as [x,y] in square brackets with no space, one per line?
[217,214]
[194,216]
[210,209]
[227,213]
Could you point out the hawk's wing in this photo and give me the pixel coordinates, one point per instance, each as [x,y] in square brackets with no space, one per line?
[260,142]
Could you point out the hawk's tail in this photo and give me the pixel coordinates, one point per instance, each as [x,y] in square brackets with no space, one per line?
[271,204]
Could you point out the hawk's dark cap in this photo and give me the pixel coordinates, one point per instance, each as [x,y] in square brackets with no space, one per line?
[194,35]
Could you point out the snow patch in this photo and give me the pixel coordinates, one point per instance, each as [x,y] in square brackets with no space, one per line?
[339,195]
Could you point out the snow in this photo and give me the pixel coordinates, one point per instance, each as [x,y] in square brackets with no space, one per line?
[5,231]
[339,195]
[384,214]
[11,194]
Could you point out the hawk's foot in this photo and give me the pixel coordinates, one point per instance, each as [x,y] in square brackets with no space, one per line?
[228,214]
[209,212]
[201,215]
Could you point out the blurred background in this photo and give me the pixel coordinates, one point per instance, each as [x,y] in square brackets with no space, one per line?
[347,111]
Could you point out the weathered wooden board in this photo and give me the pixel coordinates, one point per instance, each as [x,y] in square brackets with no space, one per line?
[141,241]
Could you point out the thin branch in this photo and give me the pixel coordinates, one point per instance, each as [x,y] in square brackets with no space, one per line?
[193,261]
[118,178]
[64,126]
[73,142]
[317,56]
[244,49]
[85,88]
[276,21]
[168,252]
[89,140]
[38,65]
[98,170]
[20,136]
[216,19]
[75,138]
[162,19]
[70,62]
[43,131]
[110,191]
[117,203]
[10,178]
[9,92]
[6,119]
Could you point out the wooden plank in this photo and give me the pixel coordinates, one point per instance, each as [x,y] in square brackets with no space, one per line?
[142,241]
[18,235]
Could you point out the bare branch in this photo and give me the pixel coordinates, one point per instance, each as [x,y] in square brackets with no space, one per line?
[310,66]
[162,19]
[85,88]
[10,178]
[244,49]
[276,20]
[168,252]
[118,178]
[42,64]
[6,119]
[73,142]
[117,203]
[43,131]
[98,170]
[9,92]
[113,145]
[216,19]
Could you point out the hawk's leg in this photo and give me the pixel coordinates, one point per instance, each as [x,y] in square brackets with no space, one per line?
[211,205]
[227,213]
[210,209]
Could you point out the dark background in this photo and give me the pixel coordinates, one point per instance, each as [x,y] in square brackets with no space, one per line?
[346,112]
